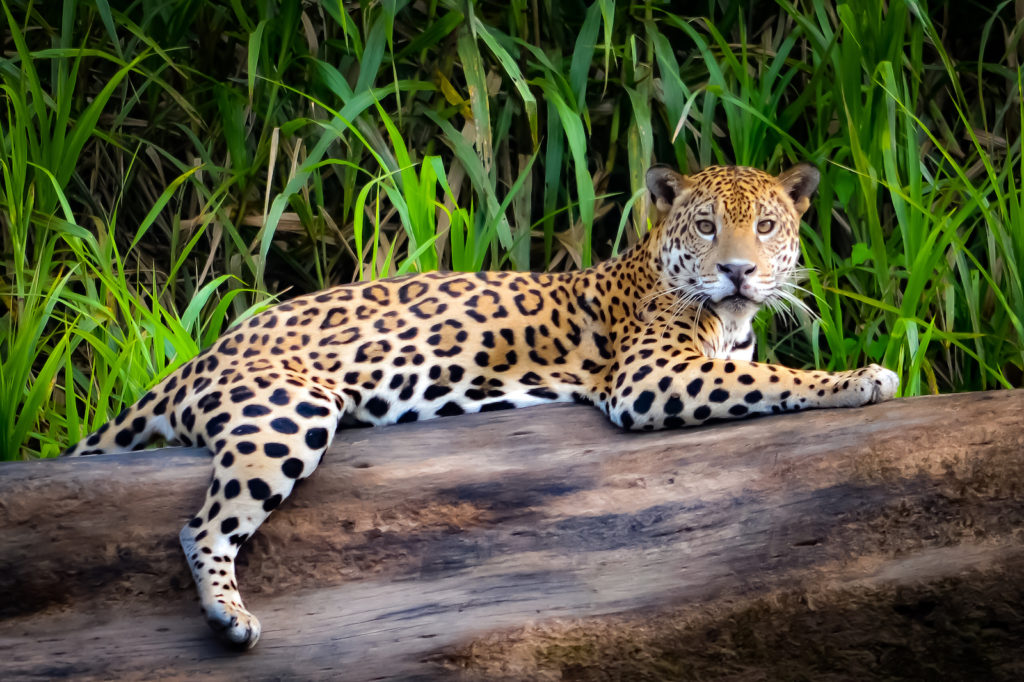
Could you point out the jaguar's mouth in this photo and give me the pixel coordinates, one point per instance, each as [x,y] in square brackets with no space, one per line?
[736,302]
[736,299]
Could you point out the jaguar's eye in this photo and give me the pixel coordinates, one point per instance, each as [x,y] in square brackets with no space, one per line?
[766,227]
[705,227]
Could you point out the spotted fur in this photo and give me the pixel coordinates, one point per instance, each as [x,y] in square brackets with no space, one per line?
[658,337]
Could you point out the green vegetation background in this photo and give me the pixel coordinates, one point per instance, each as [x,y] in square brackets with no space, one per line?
[170,167]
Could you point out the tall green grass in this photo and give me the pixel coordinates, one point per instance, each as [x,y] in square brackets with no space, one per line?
[168,169]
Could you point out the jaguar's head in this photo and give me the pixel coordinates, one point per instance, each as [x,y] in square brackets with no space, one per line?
[729,235]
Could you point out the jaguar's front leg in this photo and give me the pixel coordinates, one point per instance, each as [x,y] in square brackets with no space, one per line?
[693,390]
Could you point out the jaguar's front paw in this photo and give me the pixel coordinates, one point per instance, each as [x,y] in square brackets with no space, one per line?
[877,383]
[856,387]
[239,628]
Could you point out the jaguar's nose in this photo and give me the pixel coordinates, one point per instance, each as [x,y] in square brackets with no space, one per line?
[737,271]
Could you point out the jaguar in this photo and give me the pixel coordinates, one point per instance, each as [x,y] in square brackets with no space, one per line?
[657,337]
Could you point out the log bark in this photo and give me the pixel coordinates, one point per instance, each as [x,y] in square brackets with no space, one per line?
[490,545]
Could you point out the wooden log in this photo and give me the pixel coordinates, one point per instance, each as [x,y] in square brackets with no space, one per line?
[476,546]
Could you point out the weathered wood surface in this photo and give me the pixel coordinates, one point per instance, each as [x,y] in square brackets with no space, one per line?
[411,542]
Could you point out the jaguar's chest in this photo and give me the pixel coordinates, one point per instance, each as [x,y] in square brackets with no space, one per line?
[733,340]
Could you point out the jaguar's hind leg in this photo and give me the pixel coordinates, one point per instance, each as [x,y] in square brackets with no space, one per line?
[279,440]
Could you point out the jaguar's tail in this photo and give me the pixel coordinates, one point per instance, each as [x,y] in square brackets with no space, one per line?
[133,429]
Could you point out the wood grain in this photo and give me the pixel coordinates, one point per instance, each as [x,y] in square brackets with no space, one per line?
[412,542]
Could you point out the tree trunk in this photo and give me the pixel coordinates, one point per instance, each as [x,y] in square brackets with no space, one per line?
[545,543]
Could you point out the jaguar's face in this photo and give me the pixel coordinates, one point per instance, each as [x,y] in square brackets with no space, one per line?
[730,235]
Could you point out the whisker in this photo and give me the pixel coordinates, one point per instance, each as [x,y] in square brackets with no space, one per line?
[802,272]
[783,296]
[677,306]
[653,295]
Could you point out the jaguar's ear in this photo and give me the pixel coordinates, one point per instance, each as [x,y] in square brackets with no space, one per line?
[799,182]
[665,185]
